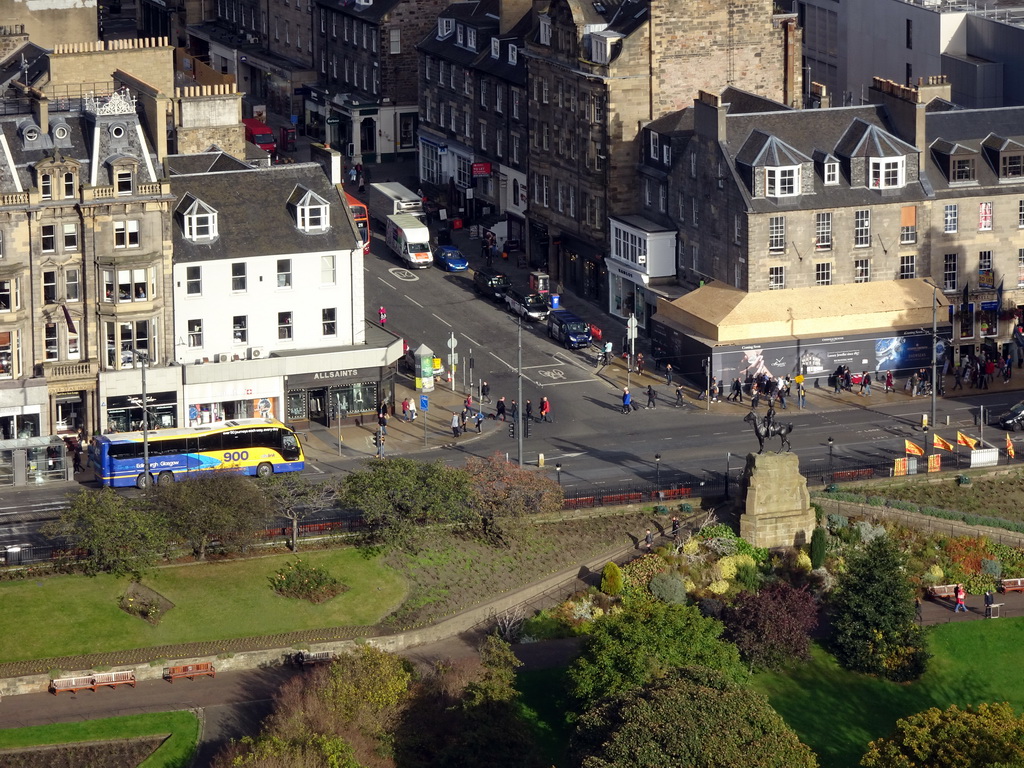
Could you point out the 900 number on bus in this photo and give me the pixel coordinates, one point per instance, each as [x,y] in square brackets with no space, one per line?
[236,456]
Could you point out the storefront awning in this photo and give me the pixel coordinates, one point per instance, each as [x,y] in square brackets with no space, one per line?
[727,315]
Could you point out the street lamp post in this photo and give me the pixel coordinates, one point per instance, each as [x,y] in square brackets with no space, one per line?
[830,473]
[657,463]
[728,469]
[558,472]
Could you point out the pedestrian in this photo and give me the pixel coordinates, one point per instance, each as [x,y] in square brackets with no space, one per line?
[675,527]
[888,382]
[668,375]
[405,410]
[463,418]
[679,396]
[485,392]
[383,315]
[736,395]
[352,173]
[545,409]
[607,353]
[714,390]
[514,414]
[627,400]
[914,382]
[412,409]
[362,183]
[499,411]
[652,397]
[78,458]
[648,540]
[989,602]
[801,394]
[865,383]
[455,424]
[382,422]
[529,411]
[640,363]
[468,404]
[479,419]
[961,595]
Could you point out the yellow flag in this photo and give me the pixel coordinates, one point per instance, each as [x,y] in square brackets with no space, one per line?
[914,448]
[963,439]
[938,442]
[1009,446]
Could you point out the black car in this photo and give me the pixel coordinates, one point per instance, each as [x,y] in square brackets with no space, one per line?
[1013,419]
[491,283]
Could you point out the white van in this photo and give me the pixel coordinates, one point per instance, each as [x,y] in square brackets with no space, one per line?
[390,199]
[410,239]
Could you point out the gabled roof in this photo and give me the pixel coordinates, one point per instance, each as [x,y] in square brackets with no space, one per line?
[762,149]
[865,140]
[1000,144]
[952,148]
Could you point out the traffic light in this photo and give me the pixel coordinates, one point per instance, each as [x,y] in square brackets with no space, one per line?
[512,429]
[376,438]
[526,424]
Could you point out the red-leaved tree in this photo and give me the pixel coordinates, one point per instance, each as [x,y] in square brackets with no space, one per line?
[772,628]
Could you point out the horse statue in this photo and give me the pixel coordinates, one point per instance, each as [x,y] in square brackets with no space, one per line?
[764,430]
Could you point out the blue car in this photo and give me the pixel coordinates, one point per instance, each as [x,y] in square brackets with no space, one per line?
[450,259]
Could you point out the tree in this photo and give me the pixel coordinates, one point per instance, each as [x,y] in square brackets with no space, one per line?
[873,613]
[505,491]
[693,716]
[397,495]
[818,542]
[772,628]
[976,737]
[120,536]
[295,497]
[216,506]
[611,579]
[645,641]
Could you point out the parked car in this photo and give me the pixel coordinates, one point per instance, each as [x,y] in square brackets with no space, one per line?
[569,329]
[1013,419]
[529,306]
[491,284]
[450,259]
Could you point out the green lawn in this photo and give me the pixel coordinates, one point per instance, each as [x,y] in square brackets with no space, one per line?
[543,705]
[175,752]
[70,615]
[837,712]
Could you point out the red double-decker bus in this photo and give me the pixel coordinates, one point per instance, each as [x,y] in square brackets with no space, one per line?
[362,218]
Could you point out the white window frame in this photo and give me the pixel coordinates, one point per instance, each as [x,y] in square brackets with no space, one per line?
[862,228]
[776,278]
[888,172]
[776,234]
[783,181]
[200,222]
[831,176]
[823,273]
[950,272]
[862,270]
[907,267]
[313,213]
[823,231]
[950,218]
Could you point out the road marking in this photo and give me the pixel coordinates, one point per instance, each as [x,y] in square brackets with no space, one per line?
[410,298]
[389,285]
[554,373]
[403,274]
[503,362]
[471,340]
[443,320]
[315,468]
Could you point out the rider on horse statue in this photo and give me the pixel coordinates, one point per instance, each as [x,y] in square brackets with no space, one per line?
[769,417]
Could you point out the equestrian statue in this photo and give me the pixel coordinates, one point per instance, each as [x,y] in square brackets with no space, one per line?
[768,427]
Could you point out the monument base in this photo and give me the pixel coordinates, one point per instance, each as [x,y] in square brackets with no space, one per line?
[776,504]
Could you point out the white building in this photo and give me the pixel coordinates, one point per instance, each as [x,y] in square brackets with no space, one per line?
[268,296]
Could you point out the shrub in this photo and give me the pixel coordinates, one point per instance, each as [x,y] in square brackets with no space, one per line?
[837,522]
[710,607]
[301,580]
[669,588]
[759,554]
[748,578]
[637,574]
[691,547]
[728,566]
[818,542]
[934,575]
[868,532]
[611,579]
[719,587]
[722,546]
[991,568]
[802,561]
[717,531]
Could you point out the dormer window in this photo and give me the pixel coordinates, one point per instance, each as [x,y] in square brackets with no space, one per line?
[46,186]
[545,30]
[445,27]
[123,181]
[831,174]
[495,48]
[1011,166]
[200,222]
[513,55]
[471,39]
[961,170]
[459,34]
[313,214]
[888,173]
[655,146]
[782,182]
[69,185]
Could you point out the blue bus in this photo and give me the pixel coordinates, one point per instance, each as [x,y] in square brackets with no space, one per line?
[258,447]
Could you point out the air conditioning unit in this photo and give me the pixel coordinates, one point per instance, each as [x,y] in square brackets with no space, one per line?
[220,358]
[253,39]
[257,353]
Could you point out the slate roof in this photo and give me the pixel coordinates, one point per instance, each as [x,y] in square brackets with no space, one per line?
[30,56]
[253,213]
[202,163]
[374,13]
[481,16]
[970,131]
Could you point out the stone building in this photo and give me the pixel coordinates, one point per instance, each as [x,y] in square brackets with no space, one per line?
[839,236]
[366,101]
[598,72]
[53,22]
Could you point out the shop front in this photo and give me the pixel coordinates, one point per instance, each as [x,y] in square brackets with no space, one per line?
[24,405]
[256,398]
[122,408]
[324,397]
[582,269]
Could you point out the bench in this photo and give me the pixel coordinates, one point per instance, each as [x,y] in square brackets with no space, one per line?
[311,658]
[191,671]
[942,591]
[92,682]
[1011,585]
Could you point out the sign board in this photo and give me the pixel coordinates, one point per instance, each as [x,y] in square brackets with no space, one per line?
[631,326]
[333,120]
[481,170]
[424,403]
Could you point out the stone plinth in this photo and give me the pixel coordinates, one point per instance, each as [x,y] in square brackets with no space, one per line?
[777,507]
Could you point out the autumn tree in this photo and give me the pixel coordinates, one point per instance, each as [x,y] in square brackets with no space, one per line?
[643,642]
[504,492]
[398,495]
[873,612]
[295,496]
[977,737]
[690,716]
[772,628]
[119,535]
[220,507]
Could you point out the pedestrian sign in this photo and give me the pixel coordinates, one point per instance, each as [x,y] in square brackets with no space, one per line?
[424,403]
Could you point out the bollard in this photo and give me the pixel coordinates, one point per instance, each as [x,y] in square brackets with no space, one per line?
[924,421]
[540,459]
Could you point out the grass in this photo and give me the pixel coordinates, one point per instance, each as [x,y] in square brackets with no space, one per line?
[543,706]
[213,601]
[175,752]
[837,712]
[1001,496]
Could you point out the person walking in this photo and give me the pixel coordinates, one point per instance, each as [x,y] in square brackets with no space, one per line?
[383,315]
[627,400]
[652,397]
[352,174]
[675,527]
[455,424]
[468,404]
[77,459]
[607,353]
[889,382]
[479,420]
[640,363]
[485,393]
[961,596]
[514,411]
[412,409]
[679,396]
[545,409]
[499,410]
[382,421]
[529,411]
[405,410]
[736,394]
[668,374]
[801,393]
[648,540]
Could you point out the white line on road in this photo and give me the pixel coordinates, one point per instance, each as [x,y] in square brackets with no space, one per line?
[442,320]
[471,341]
[315,468]
[507,365]
[410,298]
[389,285]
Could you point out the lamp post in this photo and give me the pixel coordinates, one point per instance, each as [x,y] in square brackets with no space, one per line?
[657,463]
[925,430]
[558,472]
[728,469]
[830,442]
